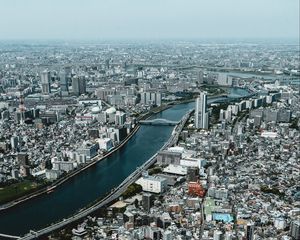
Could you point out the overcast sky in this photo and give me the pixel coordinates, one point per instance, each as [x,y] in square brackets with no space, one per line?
[150,19]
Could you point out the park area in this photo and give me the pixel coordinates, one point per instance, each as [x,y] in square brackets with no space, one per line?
[15,190]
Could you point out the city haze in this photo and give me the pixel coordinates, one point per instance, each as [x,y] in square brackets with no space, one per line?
[155,19]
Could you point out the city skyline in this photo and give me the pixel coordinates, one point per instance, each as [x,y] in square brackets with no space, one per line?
[153,119]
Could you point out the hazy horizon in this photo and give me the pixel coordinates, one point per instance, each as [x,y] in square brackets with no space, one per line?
[152,20]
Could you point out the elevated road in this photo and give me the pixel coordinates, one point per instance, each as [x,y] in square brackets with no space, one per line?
[115,193]
[7,236]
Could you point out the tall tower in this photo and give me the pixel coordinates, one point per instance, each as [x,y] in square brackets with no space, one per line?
[64,85]
[201,113]
[45,80]
[78,85]
[21,108]
[250,231]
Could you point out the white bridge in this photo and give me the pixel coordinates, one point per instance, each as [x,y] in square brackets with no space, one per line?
[159,121]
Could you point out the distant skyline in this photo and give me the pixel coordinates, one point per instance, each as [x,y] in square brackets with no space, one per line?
[148,19]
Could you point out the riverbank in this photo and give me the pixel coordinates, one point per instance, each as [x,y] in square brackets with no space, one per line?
[48,189]
[52,186]
[116,192]
[96,181]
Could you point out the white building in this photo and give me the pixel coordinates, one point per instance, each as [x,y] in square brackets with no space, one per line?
[175,169]
[45,82]
[105,144]
[201,113]
[63,166]
[153,184]
[279,223]
[267,134]
[120,118]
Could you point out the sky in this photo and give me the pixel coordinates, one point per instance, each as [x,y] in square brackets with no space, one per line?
[149,19]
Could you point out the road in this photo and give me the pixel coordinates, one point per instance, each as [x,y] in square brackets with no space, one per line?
[116,192]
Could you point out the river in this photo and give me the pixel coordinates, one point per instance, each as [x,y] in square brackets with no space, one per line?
[94,182]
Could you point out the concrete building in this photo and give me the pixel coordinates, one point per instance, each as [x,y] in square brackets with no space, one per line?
[120,118]
[201,113]
[147,201]
[64,83]
[151,98]
[45,81]
[105,144]
[168,157]
[153,184]
[250,231]
[295,230]
[78,85]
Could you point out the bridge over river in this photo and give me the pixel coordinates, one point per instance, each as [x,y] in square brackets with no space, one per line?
[159,122]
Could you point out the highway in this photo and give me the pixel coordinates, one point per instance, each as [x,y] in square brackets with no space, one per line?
[8,236]
[115,192]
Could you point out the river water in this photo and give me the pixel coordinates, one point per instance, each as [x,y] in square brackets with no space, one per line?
[96,181]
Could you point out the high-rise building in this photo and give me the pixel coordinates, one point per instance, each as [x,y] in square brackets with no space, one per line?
[68,71]
[143,98]
[295,229]
[149,98]
[158,99]
[201,113]
[200,77]
[64,85]
[66,80]
[147,201]
[120,118]
[250,231]
[78,85]
[45,81]
[14,141]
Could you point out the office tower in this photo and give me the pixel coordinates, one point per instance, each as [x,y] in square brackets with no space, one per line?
[250,231]
[295,229]
[64,86]
[68,71]
[271,115]
[284,115]
[120,118]
[201,113]
[143,98]
[222,79]
[121,133]
[45,80]
[200,77]
[148,98]
[68,76]
[158,99]
[107,63]
[78,85]
[153,98]
[147,201]
[14,142]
